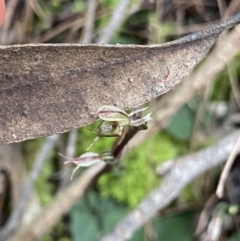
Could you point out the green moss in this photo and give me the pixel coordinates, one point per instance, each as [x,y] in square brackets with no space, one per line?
[139,176]
[109,3]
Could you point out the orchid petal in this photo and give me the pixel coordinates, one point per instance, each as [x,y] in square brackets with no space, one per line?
[141,121]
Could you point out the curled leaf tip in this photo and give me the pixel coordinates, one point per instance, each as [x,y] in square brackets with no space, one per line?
[137,111]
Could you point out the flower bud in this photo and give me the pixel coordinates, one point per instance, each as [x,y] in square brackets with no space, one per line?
[85,160]
[88,159]
[113,113]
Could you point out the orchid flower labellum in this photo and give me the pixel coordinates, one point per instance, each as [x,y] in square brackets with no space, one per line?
[106,129]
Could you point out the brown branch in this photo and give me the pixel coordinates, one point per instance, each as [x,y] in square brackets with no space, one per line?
[39,10]
[64,200]
[54,31]
[183,172]
[226,169]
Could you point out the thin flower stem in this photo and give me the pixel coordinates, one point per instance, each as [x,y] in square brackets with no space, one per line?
[226,169]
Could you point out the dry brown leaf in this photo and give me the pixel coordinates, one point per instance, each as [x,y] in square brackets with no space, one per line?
[47,89]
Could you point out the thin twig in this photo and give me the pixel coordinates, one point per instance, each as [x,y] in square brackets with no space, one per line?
[51,33]
[226,169]
[27,189]
[221,7]
[232,9]
[234,83]
[230,161]
[115,22]
[27,21]
[89,24]
[10,9]
[39,10]
[70,151]
[183,172]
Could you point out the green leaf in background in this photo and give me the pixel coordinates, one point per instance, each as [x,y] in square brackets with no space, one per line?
[93,217]
[181,125]
[139,175]
[174,228]
[234,237]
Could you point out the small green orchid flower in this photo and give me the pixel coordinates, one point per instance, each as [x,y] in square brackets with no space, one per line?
[88,159]
[106,129]
[115,119]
